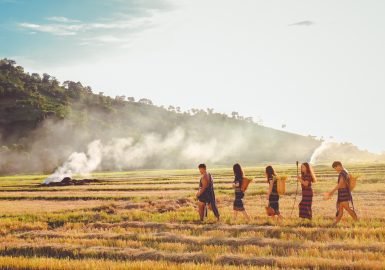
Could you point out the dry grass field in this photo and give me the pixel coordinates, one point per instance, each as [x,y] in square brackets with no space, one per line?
[148,220]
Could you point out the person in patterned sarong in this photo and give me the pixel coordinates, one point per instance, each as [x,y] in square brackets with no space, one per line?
[306,179]
[272,194]
[238,205]
[344,193]
[206,194]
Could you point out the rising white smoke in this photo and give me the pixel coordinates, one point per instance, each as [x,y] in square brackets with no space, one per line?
[317,154]
[79,163]
[126,153]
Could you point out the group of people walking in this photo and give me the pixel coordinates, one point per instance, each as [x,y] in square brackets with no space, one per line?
[307,178]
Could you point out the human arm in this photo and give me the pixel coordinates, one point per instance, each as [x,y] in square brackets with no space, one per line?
[303,182]
[341,184]
[270,190]
[236,184]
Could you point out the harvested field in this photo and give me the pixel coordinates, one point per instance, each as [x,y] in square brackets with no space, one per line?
[148,220]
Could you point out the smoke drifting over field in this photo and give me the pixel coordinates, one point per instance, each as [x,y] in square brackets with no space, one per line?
[126,153]
[330,151]
[160,140]
[66,128]
[134,136]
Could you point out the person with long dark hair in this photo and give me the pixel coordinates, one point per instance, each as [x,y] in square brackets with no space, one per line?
[238,205]
[272,193]
[306,179]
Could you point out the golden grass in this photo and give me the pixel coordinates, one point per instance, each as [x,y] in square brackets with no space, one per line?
[148,220]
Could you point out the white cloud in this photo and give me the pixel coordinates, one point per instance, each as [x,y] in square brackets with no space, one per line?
[113,30]
[62,19]
[107,39]
[303,23]
[54,29]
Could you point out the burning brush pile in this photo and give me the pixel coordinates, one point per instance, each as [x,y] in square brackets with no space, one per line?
[68,181]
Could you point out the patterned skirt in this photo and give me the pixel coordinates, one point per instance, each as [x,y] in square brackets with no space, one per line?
[238,202]
[305,210]
[205,197]
[343,195]
[274,202]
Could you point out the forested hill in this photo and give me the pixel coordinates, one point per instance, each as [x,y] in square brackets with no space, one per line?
[43,120]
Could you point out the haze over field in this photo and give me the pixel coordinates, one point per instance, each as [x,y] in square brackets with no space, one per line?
[43,123]
[46,125]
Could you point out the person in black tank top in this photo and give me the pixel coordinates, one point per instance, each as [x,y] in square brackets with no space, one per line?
[272,193]
[238,205]
[206,194]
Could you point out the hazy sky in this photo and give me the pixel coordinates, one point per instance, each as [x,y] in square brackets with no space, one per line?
[316,66]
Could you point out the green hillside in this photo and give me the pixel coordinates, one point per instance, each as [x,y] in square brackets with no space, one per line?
[43,120]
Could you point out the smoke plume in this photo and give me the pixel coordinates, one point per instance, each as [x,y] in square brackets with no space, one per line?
[325,145]
[126,153]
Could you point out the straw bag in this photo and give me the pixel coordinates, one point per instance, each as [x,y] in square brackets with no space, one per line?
[270,211]
[281,184]
[245,184]
[353,181]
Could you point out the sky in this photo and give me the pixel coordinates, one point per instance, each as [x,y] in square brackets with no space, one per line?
[316,66]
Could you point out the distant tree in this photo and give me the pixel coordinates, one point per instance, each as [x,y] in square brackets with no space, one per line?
[120,98]
[234,115]
[75,89]
[101,94]
[36,77]
[131,99]
[171,108]
[145,101]
[194,111]
[20,69]
[177,109]
[54,82]
[8,62]
[46,78]
[249,119]
[88,89]
[210,111]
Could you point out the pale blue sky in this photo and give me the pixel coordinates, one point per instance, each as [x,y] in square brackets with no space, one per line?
[317,66]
